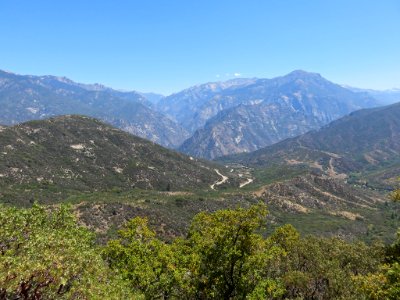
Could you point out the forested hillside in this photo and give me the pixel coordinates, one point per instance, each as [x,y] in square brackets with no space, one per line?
[47,159]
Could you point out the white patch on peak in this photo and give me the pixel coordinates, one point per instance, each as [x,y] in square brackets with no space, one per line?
[118,170]
[32,110]
[78,146]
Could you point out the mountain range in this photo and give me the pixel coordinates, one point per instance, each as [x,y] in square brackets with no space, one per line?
[206,121]
[192,107]
[24,98]
[319,181]
[385,97]
[365,141]
[270,110]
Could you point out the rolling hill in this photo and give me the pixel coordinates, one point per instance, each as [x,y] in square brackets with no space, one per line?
[77,153]
[110,176]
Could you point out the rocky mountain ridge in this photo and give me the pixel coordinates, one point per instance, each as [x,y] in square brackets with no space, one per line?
[192,107]
[270,110]
[364,141]
[208,120]
[25,97]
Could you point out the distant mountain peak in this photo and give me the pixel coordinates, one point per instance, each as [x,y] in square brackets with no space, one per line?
[268,111]
[220,85]
[7,72]
[302,73]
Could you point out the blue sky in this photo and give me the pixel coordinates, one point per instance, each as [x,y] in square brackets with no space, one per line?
[165,46]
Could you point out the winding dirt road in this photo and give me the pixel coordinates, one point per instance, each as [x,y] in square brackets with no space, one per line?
[248,181]
[219,182]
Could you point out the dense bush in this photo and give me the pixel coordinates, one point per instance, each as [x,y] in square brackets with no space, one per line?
[225,256]
[44,254]
[384,283]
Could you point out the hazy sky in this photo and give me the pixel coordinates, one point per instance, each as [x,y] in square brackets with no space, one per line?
[164,46]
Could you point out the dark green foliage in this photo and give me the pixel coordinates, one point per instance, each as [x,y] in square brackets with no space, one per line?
[224,256]
[322,268]
[144,261]
[46,255]
[228,252]
[385,282]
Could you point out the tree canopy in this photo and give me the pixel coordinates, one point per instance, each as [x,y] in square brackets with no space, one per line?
[45,254]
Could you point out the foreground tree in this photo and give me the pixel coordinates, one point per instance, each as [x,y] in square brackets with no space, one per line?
[222,258]
[322,268]
[385,283]
[225,256]
[46,255]
[229,254]
[148,264]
